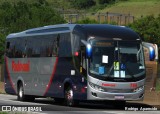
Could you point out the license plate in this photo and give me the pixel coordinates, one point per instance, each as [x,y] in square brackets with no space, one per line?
[119,97]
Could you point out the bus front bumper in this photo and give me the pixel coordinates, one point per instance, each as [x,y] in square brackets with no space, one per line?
[93,94]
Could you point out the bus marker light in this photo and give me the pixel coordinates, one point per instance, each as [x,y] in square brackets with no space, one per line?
[75,87]
[76,53]
[83,89]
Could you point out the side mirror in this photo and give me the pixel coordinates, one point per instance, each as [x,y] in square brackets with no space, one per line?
[89,51]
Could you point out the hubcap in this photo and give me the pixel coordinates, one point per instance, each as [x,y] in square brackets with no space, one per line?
[69,94]
[69,97]
[21,92]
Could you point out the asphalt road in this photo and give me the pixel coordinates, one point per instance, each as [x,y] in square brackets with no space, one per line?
[48,106]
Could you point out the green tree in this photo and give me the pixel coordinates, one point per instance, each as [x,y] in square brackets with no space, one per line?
[88,21]
[22,15]
[105,1]
[148,28]
[82,4]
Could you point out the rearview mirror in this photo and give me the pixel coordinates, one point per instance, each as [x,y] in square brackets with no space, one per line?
[89,51]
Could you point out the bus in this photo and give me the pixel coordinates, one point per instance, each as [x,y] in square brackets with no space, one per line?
[75,62]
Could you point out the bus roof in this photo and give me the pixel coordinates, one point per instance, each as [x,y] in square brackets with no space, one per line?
[110,31]
[100,30]
[59,28]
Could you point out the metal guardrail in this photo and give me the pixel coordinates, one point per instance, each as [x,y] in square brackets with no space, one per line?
[108,17]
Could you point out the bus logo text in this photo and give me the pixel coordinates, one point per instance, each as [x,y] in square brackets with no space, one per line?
[109,85]
[20,67]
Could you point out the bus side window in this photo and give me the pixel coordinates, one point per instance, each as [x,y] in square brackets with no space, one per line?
[11,49]
[55,46]
[8,48]
[24,53]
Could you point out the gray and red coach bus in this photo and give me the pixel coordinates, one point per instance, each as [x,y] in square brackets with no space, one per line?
[73,62]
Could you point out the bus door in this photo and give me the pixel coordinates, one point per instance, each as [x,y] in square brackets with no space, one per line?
[83,65]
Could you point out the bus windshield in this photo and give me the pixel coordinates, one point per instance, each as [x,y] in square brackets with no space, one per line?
[117,59]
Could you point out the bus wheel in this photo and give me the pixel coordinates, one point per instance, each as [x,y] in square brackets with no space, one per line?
[20,95]
[69,97]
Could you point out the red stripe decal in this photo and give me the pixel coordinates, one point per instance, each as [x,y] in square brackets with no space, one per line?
[53,73]
[9,77]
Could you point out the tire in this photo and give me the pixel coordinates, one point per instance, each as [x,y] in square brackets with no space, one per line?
[69,101]
[20,94]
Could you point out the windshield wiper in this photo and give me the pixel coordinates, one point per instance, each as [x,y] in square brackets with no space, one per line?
[108,74]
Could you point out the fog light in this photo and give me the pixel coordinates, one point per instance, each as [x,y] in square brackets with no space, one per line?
[139,89]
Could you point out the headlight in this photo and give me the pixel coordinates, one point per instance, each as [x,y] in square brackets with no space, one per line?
[138,89]
[96,87]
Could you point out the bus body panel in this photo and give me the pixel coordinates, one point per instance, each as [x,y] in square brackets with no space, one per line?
[47,76]
[41,72]
[115,89]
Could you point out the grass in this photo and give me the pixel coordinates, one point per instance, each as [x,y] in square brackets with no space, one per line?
[158,85]
[158,79]
[3,112]
[2,88]
[136,8]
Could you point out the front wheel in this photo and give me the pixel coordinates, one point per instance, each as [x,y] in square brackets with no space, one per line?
[69,97]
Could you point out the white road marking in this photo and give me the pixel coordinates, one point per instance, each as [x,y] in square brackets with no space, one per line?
[25,103]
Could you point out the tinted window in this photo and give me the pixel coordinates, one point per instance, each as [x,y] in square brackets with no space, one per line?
[65,45]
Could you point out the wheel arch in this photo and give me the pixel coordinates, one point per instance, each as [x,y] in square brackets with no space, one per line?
[19,81]
[67,82]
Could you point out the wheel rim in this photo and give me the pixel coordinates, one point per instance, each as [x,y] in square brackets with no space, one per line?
[69,97]
[20,92]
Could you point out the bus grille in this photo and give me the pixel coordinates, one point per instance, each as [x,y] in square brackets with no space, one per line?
[119,90]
